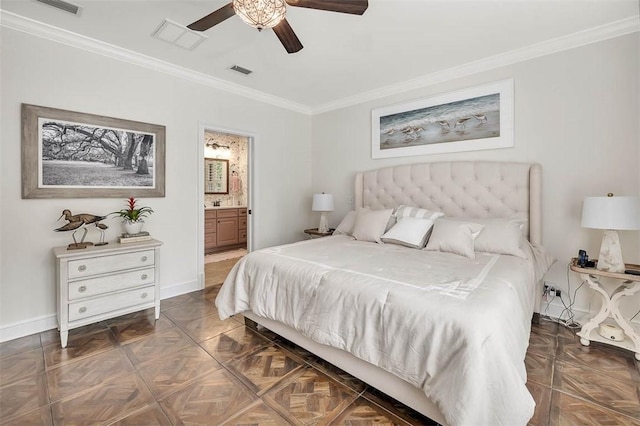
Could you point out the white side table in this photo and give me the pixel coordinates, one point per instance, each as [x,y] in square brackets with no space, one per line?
[610,311]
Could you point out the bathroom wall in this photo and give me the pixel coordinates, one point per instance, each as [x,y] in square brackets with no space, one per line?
[237,154]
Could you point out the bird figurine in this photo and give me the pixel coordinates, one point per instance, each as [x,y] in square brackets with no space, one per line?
[78,220]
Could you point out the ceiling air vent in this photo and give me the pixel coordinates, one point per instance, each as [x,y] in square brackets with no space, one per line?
[178,35]
[238,68]
[62,5]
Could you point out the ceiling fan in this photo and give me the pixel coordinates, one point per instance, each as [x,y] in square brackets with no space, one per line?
[262,14]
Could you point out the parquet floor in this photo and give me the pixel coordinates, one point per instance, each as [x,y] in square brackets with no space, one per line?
[192,368]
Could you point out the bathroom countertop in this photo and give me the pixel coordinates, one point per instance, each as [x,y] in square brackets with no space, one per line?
[225,207]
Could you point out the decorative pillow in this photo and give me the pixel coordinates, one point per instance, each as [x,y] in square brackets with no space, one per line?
[454,237]
[408,211]
[410,231]
[347,224]
[371,224]
[499,235]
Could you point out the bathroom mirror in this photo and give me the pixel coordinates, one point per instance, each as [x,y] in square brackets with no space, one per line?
[216,176]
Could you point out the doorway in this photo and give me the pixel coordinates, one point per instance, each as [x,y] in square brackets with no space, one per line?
[225,193]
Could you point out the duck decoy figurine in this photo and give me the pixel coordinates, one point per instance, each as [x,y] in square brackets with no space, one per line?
[78,220]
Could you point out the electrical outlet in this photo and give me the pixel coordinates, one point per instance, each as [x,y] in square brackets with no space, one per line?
[550,291]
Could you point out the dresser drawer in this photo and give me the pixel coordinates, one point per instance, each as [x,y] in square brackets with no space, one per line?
[112,302]
[242,236]
[242,222]
[117,262]
[106,284]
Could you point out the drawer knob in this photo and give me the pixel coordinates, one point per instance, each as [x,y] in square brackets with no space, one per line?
[82,310]
[143,258]
[82,268]
[143,295]
[143,277]
[82,288]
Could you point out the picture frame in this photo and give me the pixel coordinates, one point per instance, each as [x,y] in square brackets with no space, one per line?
[216,176]
[470,119]
[67,154]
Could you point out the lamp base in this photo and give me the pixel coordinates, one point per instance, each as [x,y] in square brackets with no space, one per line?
[324,223]
[610,258]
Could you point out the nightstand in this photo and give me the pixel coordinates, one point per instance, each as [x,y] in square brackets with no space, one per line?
[313,233]
[609,311]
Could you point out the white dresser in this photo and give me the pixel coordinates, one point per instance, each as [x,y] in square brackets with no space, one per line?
[98,283]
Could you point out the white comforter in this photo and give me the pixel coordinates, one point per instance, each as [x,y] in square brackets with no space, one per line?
[455,327]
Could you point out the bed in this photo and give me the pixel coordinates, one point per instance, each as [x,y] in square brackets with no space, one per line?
[442,333]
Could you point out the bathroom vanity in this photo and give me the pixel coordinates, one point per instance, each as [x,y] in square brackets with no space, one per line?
[224,228]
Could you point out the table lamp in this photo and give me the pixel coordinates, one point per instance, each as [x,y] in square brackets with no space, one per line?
[611,214]
[323,203]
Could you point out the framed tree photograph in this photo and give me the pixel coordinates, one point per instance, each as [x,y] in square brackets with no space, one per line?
[471,119]
[68,154]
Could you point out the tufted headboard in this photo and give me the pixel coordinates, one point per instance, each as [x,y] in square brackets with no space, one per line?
[476,189]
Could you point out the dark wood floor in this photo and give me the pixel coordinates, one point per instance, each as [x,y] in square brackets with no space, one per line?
[192,368]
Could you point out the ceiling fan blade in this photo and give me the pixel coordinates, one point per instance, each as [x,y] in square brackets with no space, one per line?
[356,7]
[287,37]
[214,18]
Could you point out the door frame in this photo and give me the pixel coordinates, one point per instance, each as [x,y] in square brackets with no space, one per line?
[251,138]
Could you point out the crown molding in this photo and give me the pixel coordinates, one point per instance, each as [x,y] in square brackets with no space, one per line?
[571,41]
[49,32]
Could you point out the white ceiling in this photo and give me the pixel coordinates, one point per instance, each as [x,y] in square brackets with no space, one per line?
[344,55]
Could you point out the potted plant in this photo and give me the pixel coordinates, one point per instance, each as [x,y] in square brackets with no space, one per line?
[133,216]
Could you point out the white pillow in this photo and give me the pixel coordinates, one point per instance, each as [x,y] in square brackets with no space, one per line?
[499,235]
[410,231]
[408,211]
[371,224]
[347,224]
[454,237]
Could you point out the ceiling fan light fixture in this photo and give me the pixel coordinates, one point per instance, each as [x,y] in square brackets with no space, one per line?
[260,13]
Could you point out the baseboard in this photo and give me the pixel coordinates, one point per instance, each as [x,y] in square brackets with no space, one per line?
[554,310]
[48,322]
[28,327]
[178,289]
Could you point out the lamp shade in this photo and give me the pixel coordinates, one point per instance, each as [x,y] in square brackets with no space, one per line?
[616,213]
[322,202]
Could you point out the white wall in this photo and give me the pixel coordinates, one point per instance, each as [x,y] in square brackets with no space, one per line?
[576,113]
[41,72]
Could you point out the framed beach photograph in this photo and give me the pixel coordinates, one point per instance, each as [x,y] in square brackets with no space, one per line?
[68,154]
[465,120]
